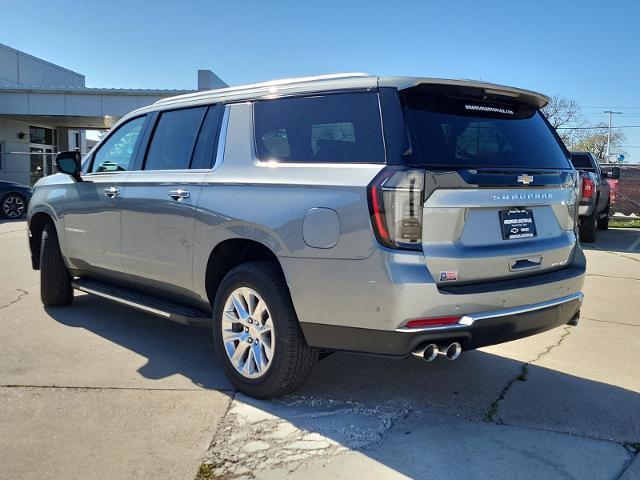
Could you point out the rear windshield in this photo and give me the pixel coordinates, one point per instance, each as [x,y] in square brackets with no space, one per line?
[582,162]
[451,131]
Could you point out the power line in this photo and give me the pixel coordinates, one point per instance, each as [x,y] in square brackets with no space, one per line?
[596,127]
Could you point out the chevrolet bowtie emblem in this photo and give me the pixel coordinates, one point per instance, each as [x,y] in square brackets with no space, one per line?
[526,179]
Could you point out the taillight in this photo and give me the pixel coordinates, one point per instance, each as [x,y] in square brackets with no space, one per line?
[588,187]
[395,204]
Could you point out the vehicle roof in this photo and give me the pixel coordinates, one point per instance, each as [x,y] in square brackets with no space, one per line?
[343,81]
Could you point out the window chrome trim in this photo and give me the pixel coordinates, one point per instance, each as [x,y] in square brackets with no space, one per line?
[222,139]
[470,318]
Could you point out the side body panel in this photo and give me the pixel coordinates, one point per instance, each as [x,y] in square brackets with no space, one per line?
[158,230]
[92,226]
[245,198]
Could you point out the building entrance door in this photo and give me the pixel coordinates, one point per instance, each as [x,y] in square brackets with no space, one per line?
[41,162]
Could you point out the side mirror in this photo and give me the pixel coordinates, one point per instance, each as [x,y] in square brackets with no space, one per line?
[69,163]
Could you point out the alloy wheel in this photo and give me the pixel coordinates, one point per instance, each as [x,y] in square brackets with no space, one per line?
[13,206]
[248,333]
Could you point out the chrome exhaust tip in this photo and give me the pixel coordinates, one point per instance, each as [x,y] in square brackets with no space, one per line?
[428,352]
[451,351]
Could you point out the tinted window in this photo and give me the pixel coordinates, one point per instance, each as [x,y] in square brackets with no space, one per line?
[458,132]
[330,128]
[117,152]
[206,146]
[581,162]
[173,139]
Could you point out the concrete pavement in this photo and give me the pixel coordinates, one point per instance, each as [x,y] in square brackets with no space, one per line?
[96,390]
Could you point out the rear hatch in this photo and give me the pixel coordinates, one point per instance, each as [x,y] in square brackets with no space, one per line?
[499,198]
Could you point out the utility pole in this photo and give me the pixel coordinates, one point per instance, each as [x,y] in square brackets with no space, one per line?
[611,114]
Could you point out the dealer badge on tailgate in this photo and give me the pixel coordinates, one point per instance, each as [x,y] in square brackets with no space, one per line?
[517,223]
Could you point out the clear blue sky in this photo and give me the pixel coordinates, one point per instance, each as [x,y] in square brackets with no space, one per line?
[585,50]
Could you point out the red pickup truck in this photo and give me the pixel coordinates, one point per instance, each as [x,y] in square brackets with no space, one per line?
[625,190]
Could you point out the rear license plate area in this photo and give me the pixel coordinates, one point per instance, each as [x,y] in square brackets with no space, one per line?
[517,223]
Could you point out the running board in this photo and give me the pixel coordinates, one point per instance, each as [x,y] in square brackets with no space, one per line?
[145,303]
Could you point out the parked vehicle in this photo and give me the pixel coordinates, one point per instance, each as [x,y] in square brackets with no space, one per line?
[385,215]
[594,200]
[625,189]
[14,199]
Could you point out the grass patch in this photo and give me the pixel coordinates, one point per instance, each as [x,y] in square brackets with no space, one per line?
[205,472]
[624,223]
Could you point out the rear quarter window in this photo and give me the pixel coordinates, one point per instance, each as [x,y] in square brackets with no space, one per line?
[335,128]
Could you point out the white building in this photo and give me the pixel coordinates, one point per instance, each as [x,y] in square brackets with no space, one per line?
[45,108]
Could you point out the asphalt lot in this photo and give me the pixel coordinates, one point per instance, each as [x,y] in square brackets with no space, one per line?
[96,390]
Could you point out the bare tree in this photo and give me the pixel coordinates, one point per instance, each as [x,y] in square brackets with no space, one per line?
[564,114]
[596,141]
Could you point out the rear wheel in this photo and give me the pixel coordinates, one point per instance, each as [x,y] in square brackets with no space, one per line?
[589,228]
[256,332]
[55,280]
[13,206]
[603,221]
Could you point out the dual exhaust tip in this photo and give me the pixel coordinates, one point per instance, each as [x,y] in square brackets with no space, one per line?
[430,351]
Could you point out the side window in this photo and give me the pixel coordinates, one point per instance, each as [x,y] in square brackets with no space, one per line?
[117,152]
[174,138]
[207,143]
[335,128]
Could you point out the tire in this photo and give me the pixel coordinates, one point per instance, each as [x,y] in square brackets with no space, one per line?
[291,358]
[55,280]
[588,230]
[13,206]
[603,222]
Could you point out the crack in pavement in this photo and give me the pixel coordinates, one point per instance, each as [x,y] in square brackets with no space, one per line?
[609,321]
[147,389]
[634,451]
[492,411]
[20,295]
[14,231]
[285,433]
[611,276]
[618,254]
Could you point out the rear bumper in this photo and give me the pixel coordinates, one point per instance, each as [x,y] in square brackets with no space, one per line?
[585,210]
[472,331]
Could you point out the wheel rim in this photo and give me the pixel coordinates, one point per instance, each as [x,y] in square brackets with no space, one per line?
[13,206]
[248,333]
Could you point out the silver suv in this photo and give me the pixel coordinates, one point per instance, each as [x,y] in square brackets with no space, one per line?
[385,215]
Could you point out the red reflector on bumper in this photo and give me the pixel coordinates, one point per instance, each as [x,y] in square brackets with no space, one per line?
[431,322]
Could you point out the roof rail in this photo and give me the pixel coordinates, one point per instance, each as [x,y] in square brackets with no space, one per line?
[271,83]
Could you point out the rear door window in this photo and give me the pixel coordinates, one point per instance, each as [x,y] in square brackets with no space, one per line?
[454,132]
[174,138]
[335,128]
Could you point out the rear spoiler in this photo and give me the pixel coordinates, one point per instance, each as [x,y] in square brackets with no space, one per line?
[529,97]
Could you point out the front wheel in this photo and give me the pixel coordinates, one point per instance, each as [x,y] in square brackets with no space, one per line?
[256,332]
[13,206]
[55,280]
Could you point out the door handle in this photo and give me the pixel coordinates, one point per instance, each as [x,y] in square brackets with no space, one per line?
[111,192]
[179,194]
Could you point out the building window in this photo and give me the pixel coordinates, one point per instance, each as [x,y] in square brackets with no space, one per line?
[1,156]
[41,135]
